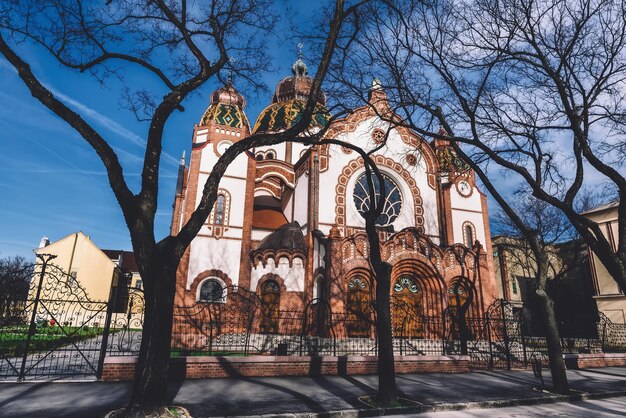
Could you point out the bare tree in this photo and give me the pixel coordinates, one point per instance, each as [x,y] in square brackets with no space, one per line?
[563,248]
[15,276]
[534,90]
[182,45]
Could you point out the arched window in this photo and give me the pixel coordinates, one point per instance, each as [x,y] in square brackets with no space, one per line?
[469,234]
[219,209]
[392,202]
[212,291]
[270,155]
[220,213]
[259,156]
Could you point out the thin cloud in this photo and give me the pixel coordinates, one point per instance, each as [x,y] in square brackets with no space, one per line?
[98,117]
[108,123]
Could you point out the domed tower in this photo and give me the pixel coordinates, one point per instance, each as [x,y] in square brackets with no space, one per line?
[288,103]
[218,245]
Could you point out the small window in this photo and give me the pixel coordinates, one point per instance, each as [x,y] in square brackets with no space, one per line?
[259,157]
[514,283]
[270,155]
[212,291]
[139,284]
[219,210]
[469,234]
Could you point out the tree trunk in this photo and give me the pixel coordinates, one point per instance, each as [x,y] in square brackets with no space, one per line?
[387,393]
[555,355]
[150,385]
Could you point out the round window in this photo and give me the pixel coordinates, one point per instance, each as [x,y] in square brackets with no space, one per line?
[392,202]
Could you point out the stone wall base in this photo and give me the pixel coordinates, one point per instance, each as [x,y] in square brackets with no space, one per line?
[584,361]
[123,368]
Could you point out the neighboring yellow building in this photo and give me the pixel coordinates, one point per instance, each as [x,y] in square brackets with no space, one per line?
[609,298]
[78,256]
[96,272]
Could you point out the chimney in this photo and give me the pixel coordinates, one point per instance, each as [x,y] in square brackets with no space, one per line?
[44,242]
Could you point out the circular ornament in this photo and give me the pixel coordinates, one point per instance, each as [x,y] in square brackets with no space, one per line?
[464,188]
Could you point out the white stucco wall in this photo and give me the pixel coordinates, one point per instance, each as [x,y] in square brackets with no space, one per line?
[396,149]
[467,209]
[208,253]
[293,277]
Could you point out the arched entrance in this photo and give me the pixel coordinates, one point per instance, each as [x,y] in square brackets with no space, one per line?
[358,306]
[460,298]
[407,308]
[270,307]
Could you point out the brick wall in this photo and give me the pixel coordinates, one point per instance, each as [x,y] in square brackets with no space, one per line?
[123,368]
[584,361]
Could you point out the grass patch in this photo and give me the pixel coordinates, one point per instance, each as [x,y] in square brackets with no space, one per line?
[13,339]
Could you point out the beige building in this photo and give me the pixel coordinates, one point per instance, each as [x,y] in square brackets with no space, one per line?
[88,265]
[82,273]
[609,298]
[94,269]
[569,282]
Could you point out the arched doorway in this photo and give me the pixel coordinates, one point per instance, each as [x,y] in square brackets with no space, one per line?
[407,308]
[358,304]
[460,299]
[270,307]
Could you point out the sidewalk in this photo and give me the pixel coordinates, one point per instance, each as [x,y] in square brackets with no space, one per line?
[308,395]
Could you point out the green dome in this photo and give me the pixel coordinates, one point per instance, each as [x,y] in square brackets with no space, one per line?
[285,114]
[225,114]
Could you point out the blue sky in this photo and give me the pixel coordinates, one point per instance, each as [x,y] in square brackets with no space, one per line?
[51,181]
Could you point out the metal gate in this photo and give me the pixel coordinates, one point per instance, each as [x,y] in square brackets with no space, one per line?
[56,332]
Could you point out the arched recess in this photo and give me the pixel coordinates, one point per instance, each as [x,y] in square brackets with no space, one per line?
[270,306]
[223,277]
[462,305]
[407,307]
[385,163]
[426,300]
[358,304]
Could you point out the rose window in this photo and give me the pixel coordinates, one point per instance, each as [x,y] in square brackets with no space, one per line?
[392,204]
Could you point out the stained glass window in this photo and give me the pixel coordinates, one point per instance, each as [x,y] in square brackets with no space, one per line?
[392,203]
[405,282]
[211,291]
[219,210]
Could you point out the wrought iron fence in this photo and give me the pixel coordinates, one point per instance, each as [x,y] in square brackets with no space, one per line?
[59,331]
[239,326]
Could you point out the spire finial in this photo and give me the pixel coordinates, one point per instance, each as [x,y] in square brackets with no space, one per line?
[299,67]
[231,62]
[300,46]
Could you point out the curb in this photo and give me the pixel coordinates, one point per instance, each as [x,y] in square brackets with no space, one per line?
[439,407]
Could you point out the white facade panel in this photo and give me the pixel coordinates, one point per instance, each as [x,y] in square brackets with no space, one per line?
[208,254]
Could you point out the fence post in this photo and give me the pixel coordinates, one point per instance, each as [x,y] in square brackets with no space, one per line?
[490,342]
[107,329]
[45,258]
